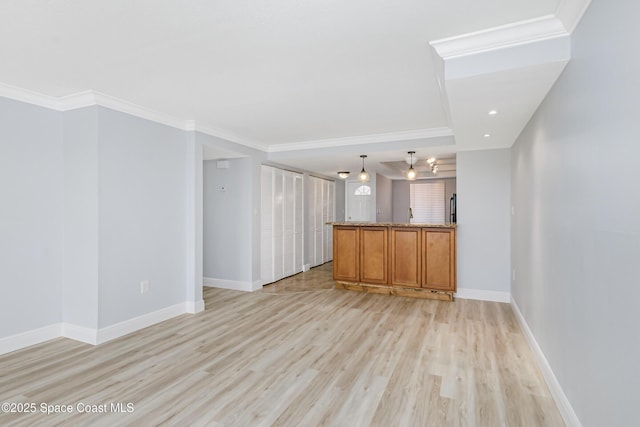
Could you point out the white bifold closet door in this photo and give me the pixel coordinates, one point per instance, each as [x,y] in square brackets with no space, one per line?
[281,240]
[329,214]
[318,228]
[322,210]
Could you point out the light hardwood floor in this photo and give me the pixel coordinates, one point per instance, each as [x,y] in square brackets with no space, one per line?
[297,353]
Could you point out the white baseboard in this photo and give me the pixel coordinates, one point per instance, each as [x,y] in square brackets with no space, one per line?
[79,333]
[564,406]
[140,322]
[478,294]
[306,267]
[95,336]
[195,307]
[29,338]
[232,284]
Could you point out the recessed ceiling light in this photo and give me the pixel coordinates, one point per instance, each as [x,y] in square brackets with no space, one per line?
[487,135]
[493,112]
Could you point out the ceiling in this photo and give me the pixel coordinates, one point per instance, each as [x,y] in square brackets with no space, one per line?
[314,84]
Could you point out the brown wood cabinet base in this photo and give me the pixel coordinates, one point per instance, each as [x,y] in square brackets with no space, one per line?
[417,260]
[396,290]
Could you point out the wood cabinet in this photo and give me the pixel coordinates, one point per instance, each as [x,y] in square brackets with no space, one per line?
[346,245]
[439,259]
[410,260]
[406,251]
[374,259]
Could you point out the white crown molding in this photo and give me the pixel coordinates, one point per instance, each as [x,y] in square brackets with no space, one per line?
[406,135]
[570,12]
[28,96]
[564,406]
[89,98]
[189,125]
[86,98]
[515,34]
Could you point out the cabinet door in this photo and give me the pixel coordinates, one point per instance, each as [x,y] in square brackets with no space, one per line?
[346,254]
[439,259]
[405,256]
[374,261]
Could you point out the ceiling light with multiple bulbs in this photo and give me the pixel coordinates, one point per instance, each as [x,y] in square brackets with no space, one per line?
[433,164]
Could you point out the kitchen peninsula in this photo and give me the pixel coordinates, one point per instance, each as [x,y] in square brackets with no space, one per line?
[416,260]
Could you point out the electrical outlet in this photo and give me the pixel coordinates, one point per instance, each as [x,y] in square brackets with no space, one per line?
[144,286]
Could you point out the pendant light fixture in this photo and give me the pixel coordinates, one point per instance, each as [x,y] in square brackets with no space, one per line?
[411,173]
[364,175]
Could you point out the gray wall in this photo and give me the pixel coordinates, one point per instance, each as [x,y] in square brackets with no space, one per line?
[93,203]
[81,219]
[483,232]
[576,233]
[252,221]
[340,200]
[142,216]
[384,201]
[227,220]
[31,217]
[401,197]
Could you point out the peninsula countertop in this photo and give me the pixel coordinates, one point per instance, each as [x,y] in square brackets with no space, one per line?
[392,224]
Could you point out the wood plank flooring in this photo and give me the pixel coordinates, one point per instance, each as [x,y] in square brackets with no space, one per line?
[297,353]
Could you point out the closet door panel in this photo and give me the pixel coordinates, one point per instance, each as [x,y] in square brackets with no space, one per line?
[319,244]
[328,229]
[266,237]
[278,224]
[298,231]
[288,246]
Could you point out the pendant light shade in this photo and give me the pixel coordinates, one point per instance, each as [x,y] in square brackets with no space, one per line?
[363,176]
[411,173]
